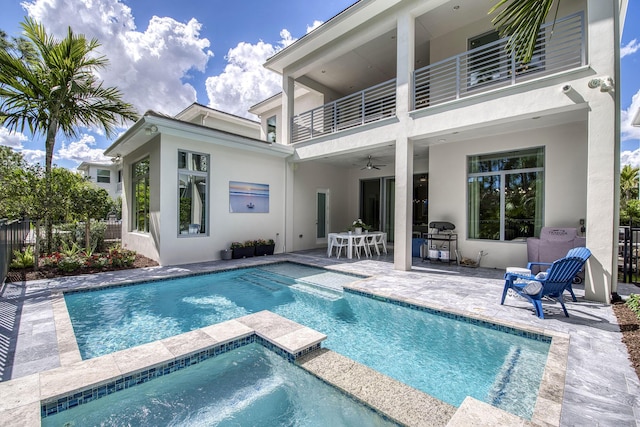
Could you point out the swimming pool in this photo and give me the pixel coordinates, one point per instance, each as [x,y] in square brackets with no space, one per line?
[246,386]
[448,357]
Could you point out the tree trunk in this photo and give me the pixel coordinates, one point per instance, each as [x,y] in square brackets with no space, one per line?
[87,230]
[50,144]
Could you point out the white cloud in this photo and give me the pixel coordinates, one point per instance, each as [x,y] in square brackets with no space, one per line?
[11,139]
[147,66]
[629,48]
[81,151]
[629,131]
[630,158]
[244,81]
[313,26]
[33,156]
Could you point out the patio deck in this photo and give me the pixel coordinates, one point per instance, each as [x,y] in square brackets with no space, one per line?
[601,387]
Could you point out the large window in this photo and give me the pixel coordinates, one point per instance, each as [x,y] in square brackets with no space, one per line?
[193,171]
[271,129]
[506,194]
[140,177]
[104,176]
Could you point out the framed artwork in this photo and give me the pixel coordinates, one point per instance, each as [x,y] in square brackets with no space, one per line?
[248,197]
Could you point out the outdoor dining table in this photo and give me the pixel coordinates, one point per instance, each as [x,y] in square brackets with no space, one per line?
[350,236]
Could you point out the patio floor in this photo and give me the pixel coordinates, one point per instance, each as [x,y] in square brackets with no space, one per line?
[601,387]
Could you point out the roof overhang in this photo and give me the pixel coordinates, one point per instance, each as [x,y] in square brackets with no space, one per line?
[151,125]
[636,120]
[325,35]
[196,110]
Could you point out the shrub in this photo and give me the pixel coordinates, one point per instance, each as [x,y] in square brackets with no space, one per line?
[23,259]
[634,304]
[236,245]
[70,263]
[70,233]
[120,257]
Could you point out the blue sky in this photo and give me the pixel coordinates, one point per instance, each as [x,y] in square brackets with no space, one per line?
[166,54]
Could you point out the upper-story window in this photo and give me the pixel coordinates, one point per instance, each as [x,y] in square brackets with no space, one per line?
[506,195]
[193,176]
[271,129]
[140,181]
[104,176]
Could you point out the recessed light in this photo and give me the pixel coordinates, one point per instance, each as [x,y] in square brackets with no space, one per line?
[456,7]
[442,140]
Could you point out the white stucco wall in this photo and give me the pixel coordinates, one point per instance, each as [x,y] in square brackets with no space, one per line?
[565,185]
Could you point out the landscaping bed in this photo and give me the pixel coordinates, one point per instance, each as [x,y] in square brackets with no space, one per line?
[50,272]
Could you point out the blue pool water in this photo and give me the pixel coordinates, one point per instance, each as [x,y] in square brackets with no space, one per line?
[446,358]
[249,386]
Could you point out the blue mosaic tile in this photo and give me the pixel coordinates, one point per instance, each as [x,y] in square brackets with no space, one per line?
[90,394]
[477,322]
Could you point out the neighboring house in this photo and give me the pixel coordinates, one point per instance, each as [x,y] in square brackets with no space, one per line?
[105,175]
[401,112]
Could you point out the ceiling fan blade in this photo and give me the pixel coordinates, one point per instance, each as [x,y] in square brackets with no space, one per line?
[375,167]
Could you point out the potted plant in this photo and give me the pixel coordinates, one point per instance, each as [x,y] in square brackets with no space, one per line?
[237,249]
[358,226]
[249,248]
[265,247]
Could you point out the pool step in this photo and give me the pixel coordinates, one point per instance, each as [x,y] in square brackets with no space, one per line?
[313,289]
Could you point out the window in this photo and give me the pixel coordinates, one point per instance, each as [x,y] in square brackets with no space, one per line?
[505,195]
[140,174]
[193,175]
[271,129]
[104,175]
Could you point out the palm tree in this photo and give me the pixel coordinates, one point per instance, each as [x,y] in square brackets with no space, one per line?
[57,90]
[521,20]
[628,183]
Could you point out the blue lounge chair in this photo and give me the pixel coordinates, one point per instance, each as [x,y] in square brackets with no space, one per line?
[552,283]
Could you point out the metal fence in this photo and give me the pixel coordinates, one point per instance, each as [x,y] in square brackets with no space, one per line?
[629,254]
[12,237]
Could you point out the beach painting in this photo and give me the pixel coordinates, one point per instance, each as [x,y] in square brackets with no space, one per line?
[248,197]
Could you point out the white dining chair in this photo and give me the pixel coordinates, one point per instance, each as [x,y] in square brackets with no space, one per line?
[340,242]
[360,244]
[381,239]
[372,242]
[331,240]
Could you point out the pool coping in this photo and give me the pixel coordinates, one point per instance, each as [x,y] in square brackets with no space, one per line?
[548,407]
[20,399]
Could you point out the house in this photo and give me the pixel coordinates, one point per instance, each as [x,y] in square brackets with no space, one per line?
[400,112]
[105,175]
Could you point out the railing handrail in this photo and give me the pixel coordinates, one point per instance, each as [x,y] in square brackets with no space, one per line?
[471,71]
[348,111]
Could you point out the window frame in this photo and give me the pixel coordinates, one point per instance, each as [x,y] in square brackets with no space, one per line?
[502,175]
[135,180]
[188,170]
[273,125]
[104,176]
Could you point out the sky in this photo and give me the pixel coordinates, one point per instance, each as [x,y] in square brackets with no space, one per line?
[166,54]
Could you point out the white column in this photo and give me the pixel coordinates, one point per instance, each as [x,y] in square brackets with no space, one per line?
[287,109]
[405,38]
[603,161]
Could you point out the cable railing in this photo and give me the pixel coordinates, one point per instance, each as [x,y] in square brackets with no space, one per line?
[12,237]
[560,46]
[372,104]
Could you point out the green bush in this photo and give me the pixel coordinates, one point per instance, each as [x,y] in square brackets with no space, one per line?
[70,263]
[70,233]
[120,257]
[23,259]
[634,304]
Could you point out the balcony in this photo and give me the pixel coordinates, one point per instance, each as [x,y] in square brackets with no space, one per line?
[370,105]
[558,48]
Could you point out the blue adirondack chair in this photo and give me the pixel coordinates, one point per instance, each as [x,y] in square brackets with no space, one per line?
[553,283]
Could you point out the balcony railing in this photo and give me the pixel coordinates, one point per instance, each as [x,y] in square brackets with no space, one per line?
[559,47]
[372,104]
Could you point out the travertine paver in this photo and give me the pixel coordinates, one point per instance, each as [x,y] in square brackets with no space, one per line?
[601,387]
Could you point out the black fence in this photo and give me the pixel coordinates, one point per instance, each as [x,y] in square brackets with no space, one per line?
[12,236]
[629,254]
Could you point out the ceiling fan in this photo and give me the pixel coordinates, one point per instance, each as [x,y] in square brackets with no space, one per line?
[370,165]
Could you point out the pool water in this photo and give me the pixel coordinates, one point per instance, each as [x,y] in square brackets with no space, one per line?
[446,358]
[249,386]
